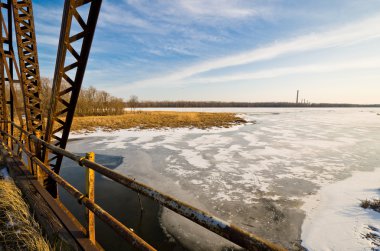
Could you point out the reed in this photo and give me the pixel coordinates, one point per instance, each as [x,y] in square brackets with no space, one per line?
[156,120]
[18,229]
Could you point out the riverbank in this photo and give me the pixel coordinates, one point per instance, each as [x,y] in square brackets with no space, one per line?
[157,120]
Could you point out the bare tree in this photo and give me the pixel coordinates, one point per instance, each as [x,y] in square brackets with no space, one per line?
[91,102]
[133,102]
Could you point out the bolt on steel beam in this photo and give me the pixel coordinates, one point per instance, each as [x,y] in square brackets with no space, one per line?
[68,75]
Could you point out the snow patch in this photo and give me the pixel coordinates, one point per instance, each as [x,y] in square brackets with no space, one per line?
[335,221]
[195,159]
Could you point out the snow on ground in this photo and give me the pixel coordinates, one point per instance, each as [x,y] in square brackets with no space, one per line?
[335,221]
[256,175]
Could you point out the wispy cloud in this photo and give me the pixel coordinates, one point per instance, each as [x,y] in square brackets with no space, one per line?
[219,8]
[350,34]
[180,27]
[326,67]
[189,44]
[48,40]
[49,13]
[201,10]
[118,15]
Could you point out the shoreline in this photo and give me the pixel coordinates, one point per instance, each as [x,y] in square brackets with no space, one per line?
[150,132]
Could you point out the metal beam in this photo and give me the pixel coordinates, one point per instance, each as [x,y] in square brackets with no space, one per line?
[7,69]
[9,41]
[3,98]
[29,67]
[6,52]
[68,76]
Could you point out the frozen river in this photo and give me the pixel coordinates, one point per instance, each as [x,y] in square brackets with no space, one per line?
[262,176]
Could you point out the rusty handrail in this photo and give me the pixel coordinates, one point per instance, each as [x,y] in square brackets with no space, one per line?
[212,223]
[119,227]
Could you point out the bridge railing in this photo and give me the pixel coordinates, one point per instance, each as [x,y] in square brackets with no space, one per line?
[227,230]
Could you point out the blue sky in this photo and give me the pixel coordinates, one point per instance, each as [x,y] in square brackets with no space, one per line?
[228,50]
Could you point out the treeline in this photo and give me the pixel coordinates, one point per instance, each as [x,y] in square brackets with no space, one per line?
[211,104]
[342,105]
[91,102]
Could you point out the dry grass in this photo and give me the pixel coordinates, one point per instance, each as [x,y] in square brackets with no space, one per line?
[149,120]
[371,204]
[18,229]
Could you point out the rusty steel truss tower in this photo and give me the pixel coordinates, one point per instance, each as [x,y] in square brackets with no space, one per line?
[72,56]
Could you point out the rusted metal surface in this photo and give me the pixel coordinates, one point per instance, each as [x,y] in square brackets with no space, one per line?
[90,193]
[41,175]
[212,223]
[66,220]
[8,62]
[13,103]
[69,75]
[9,41]
[118,227]
[3,98]
[29,67]
[59,227]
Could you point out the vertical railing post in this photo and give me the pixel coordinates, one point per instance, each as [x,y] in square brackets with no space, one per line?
[26,141]
[90,192]
[9,138]
[21,138]
[41,175]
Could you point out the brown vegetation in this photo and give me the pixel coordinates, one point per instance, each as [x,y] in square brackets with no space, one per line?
[243,104]
[148,120]
[133,102]
[371,204]
[91,102]
[18,229]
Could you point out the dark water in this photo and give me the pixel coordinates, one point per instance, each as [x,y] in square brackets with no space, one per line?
[120,202]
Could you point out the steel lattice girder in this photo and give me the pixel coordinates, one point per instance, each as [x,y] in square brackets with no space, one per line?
[6,70]
[6,39]
[3,98]
[66,86]
[30,73]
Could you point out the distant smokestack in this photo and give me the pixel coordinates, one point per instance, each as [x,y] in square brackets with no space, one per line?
[297,96]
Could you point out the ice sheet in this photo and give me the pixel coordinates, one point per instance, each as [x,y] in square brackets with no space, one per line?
[257,175]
